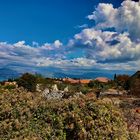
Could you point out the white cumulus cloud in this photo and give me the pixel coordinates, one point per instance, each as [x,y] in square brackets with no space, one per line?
[112,43]
[124,18]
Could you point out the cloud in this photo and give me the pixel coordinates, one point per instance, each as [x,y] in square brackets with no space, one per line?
[31,58]
[21,54]
[124,18]
[82,26]
[19,44]
[76,62]
[114,40]
[113,43]
[106,46]
[57,44]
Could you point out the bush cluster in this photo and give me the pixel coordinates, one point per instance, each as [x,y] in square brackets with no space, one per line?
[24,115]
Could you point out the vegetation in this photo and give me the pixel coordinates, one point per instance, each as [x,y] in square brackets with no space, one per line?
[28,81]
[101,86]
[122,81]
[24,115]
[134,84]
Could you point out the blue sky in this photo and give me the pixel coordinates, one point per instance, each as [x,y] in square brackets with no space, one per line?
[43,20]
[70,36]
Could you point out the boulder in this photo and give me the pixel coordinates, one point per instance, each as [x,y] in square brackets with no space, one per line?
[38,89]
[55,88]
[66,89]
[46,92]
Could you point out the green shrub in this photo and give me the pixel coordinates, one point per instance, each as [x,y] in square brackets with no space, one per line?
[9,87]
[28,81]
[26,115]
[133,136]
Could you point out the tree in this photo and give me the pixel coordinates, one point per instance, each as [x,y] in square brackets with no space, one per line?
[122,81]
[91,84]
[28,81]
[135,87]
[115,77]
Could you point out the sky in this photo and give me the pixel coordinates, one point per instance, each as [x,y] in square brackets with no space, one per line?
[43,20]
[69,36]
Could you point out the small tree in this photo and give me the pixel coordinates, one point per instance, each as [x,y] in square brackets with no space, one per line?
[115,77]
[91,84]
[122,81]
[135,87]
[28,81]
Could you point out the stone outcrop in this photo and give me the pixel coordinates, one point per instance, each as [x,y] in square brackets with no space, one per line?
[46,92]
[66,89]
[55,88]
[55,93]
[113,92]
[38,89]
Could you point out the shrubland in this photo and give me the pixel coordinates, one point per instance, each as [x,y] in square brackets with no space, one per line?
[27,115]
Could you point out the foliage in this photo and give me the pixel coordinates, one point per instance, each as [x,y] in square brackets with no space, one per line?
[93,83]
[115,77]
[24,115]
[135,87]
[133,136]
[28,81]
[9,87]
[101,86]
[134,84]
[85,89]
[122,81]
[74,87]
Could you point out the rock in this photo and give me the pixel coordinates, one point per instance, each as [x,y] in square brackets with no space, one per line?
[38,88]
[66,89]
[116,101]
[77,94]
[114,92]
[55,88]
[58,94]
[54,95]
[46,92]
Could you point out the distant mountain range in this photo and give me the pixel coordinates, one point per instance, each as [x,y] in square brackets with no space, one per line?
[6,73]
[92,75]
